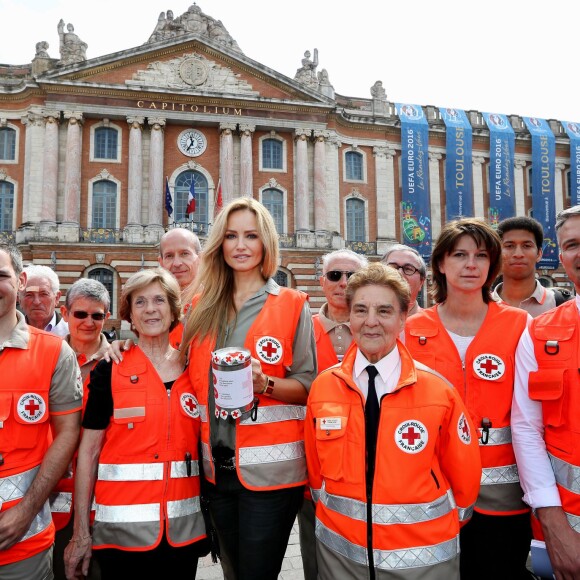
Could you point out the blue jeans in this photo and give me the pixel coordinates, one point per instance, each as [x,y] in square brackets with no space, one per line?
[253,527]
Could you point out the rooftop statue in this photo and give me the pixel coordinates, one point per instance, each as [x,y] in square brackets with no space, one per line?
[72,48]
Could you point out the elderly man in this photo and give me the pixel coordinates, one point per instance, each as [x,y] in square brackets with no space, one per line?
[39,300]
[411,266]
[40,388]
[546,413]
[86,309]
[179,252]
[333,337]
[392,454]
[522,238]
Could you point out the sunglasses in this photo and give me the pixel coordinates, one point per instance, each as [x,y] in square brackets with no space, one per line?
[336,275]
[81,314]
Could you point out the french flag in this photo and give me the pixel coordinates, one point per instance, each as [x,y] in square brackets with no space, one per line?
[191,198]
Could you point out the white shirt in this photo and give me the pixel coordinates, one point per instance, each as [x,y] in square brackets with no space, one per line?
[536,474]
[60,328]
[389,368]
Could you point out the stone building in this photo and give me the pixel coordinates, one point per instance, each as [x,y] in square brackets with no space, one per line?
[89,146]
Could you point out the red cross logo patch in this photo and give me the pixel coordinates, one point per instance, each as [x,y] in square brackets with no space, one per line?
[463,430]
[269,349]
[489,367]
[31,407]
[411,436]
[189,405]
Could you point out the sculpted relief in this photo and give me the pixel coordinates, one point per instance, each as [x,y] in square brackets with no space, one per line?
[192,71]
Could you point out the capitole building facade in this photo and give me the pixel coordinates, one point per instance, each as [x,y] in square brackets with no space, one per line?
[90,146]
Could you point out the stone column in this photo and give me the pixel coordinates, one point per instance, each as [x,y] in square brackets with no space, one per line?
[72,170]
[332,179]
[302,197]
[559,188]
[33,156]
[227,161]
[385,185]
[156,189]
[519,166]
[320,195]
[478,206]
[135,173]
[50,167]
[435,194]
[246,161]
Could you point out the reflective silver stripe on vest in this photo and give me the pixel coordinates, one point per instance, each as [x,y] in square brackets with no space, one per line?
[465,513]
[15,486]
[202,412]
[574,521]
[388,559]
[205,451]
[315,494]
[123,514]
[566,474]
[277,413]
[500,436]
[179,469]
[40,522]
[385,514]
[130,471]
[497,475]
[271,453]
[183,507]
[60,502]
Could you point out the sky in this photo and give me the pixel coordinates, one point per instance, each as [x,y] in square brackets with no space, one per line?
[509,56]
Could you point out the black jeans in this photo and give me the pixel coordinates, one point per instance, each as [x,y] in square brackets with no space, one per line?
[495,547]
[253,527]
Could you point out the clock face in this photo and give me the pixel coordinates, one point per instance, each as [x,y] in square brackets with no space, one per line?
[191,142]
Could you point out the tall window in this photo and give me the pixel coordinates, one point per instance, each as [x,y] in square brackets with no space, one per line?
[272,154]
[354,165]
[7,144]
[106,278]
[281,278]
[104,204]
[182,186]
[355,220]
[6,206]
[273,200]
[106,143]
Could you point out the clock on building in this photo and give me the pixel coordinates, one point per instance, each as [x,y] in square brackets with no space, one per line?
[191,142]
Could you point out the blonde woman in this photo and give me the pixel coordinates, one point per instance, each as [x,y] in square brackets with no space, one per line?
[254,464]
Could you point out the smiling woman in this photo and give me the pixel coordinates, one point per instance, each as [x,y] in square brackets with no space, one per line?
[471,340]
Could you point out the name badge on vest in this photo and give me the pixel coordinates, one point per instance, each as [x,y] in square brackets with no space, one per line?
[330,423]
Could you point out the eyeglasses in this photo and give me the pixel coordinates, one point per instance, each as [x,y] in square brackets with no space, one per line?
[336,275]
[408,269]
[81,314]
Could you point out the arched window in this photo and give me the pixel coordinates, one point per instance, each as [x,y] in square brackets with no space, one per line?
[107,279]
[104,204]
[6,206]
[272,154]
[7,144]
[106,143]
[281,278]
[355,220]
[273,200]
[182,187]
[354,165]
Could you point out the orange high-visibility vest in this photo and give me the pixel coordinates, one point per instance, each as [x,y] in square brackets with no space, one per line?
[24,433]
[148,474]
[486,384]
[425,482]
[556,385]
[325,354]
[270,450]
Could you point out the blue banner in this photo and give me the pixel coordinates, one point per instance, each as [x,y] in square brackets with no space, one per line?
[573,132]
[543,185]
[415,207]
[501,168]
[458,165]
